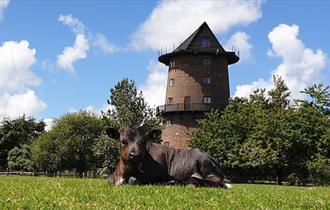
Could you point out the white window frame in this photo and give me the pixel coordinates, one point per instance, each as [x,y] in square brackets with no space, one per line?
[207,100]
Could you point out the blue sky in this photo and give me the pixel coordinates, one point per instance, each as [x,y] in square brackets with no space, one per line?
[61,56]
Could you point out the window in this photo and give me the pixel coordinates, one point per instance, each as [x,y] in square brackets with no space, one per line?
[166,143]
[207,100]
[206,81]
[170,100]
[172,64]
[171,82]
[205,42]
[206,61]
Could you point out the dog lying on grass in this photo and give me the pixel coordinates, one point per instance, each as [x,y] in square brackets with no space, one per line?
[144,162]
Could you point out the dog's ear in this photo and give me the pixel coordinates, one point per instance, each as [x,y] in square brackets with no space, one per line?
[112,133]
[154,135]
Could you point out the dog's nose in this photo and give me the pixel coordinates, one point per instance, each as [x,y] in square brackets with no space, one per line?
[132,155]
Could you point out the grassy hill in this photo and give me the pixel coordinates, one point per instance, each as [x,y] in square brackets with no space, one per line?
[67,193]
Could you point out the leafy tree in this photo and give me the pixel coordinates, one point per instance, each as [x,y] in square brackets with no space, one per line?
[14,133]
[106,151]
[69,144]
[258,136]
[20,158]
[129,107]
[46,153]
[320,96]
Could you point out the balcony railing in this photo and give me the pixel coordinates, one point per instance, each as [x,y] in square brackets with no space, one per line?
[192,107]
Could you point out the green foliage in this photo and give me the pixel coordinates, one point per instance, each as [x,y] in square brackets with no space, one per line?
[262,137]
[69,144]
[320,96]
[45,153]
[106,151]
[130,108]
[20,159]
[319,168]
[67,193]
[15,133]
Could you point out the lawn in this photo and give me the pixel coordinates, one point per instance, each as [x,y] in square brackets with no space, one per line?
[66,193]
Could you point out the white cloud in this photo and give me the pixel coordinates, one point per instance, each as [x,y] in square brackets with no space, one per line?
[15,105]
[70,55]
[98,110]
[16,99]
[154,88]
[300,67]
[93,110]
[240,41]
[3,6]
[76,26]
[103,43]
[16,59]
[79,50]
[50,122]
[173,21]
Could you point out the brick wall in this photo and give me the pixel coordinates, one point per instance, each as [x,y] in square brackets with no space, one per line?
[188,73]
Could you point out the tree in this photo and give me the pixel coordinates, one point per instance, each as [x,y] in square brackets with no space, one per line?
[129,107]
[69,144]
[106,151]
[315,123]
[20,158]
[252,135]
[15,133]
[320,96]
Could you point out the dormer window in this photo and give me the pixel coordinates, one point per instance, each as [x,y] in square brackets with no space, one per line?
[205,42]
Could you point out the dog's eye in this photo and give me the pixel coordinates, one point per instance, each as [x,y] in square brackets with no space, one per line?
[124,142]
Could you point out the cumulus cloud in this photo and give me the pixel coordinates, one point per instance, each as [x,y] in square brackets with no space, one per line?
[154,88]
[3,6]
[300,67]
[16,99]
[18,104]
[50,122]
[79,50]
[93,110]
[70,55]
[103,43]
[240,41]
[76,26]
[173,21]
[16,59]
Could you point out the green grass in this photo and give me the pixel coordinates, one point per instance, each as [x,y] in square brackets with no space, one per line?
[67,193]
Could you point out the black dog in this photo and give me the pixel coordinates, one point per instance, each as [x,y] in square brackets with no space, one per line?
[144,162]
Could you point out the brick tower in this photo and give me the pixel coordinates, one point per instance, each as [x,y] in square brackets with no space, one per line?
[197,82]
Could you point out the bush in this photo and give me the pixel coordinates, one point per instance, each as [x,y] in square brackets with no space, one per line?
[106,151]
[20,159]
[320,170]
